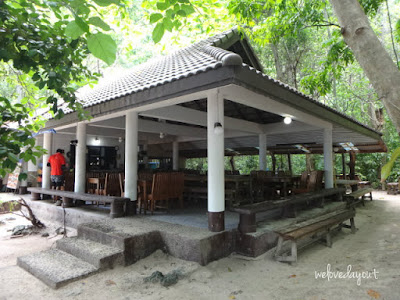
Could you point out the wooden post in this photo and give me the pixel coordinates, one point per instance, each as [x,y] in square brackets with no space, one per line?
[289,163]
[273,162]
[344,165]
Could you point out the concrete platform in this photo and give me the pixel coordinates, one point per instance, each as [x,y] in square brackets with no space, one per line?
[105,242]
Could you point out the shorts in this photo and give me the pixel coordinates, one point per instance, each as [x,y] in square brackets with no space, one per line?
[57,180]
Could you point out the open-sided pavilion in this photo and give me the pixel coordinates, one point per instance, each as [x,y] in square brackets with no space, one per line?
[200,101]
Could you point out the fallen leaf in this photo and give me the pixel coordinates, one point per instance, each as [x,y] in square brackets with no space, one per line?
[229,269]
[232,297]
[374,294]
[292,276]
[110,282]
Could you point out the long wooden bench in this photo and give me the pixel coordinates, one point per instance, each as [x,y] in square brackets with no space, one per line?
[119,205]
[360,195]
[315,229]
[247,222]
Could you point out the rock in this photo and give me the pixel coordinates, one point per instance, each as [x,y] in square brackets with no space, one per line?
[169,279]
[155,277]
[46,234]
[166,280]
[22,229]
[60,230]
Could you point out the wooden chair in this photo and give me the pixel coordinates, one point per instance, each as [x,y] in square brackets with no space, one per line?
[303,180]
[314,183]
[121,177]
[159,190]
[176,187]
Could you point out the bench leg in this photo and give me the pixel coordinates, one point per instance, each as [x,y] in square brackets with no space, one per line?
[328,239]
[35,196]
[294,251]
[117,209]
[278,247]
[67,202]
[353,226]
[247,223]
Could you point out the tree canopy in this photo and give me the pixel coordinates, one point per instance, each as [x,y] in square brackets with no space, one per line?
[48,50]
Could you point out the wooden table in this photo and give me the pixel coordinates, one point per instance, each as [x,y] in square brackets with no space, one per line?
[284,180]
[348,183]
[238,180]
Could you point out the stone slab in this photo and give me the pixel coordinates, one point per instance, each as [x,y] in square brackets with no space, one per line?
[99,255]
[55,268]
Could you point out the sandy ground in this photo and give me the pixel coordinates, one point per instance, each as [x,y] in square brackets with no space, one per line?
[375,247]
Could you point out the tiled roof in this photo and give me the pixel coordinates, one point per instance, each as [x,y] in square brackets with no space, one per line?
[194,59]
[197,58]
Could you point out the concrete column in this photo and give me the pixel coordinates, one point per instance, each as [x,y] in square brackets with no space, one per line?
[328,158]
[131,155]
[175,156]
[47,137]
[80,159]
[262,151]
[215,153]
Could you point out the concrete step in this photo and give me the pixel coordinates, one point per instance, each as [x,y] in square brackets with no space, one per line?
[55,268]
[99,255]
[101,233]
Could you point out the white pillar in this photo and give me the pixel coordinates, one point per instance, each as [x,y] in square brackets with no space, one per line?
[215,152]
[80,159]
[175,155]
[328,158]
[262,151]
[131,155]
[46,170]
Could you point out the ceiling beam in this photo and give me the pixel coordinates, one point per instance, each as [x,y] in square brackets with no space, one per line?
[192,116]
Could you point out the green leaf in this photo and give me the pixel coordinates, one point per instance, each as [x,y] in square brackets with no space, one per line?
[158,32]
[168,25]
[82,24]
[162,5]
[103,47]
[155,17]
[181,13]
[96,21]
[106,2]
[188,9]
[387,168]
[12,157]
[22,176]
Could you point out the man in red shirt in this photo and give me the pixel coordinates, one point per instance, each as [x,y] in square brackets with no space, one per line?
[57,163]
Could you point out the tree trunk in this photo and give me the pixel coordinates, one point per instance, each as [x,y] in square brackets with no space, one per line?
[371,55]
[278,65]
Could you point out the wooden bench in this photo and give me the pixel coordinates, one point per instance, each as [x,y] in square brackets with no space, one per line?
[315,229]
[247,222]
[119,205]
[354,197]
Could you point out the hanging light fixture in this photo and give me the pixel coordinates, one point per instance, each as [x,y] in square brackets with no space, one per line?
[218,129]
[287,120]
